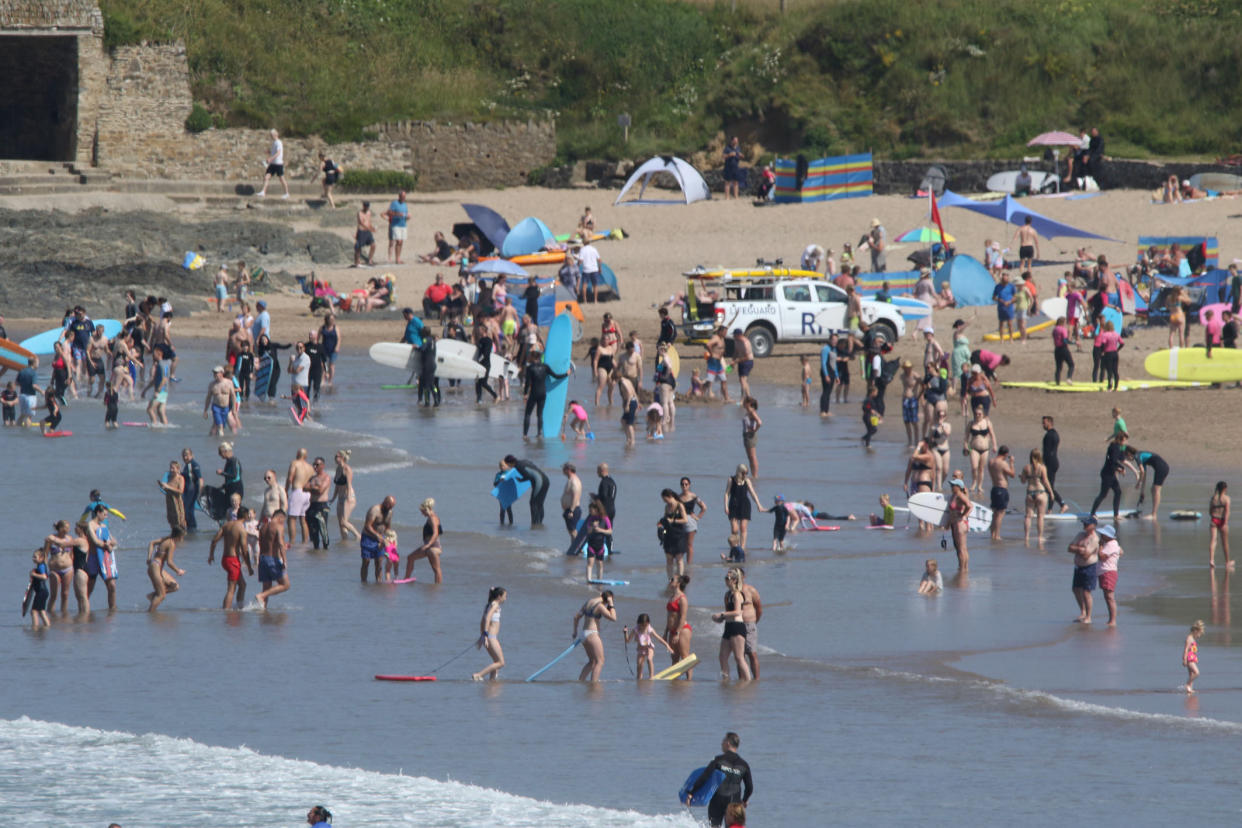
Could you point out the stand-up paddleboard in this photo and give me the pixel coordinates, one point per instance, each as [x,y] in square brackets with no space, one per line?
[510,488]
[704,794]
[382,677]
[14,356]
[677,669]
[557,356]
[606,582]
[553,662]
[465,350]
[1030,329]
[1124,385]
[45,343]
[673,359]
[1225,364]
[1078,517]
[932,507]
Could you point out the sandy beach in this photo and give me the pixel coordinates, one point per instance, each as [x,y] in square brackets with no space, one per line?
[664,241]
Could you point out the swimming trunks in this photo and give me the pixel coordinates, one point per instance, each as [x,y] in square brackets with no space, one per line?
[369,547]
[299,502]
[572,516]
[744,367]
[270,568]
[733,629]
[1108,581]
[1026,251]
[715,369]
[219,414]
[752,637]
[1085,577]
[233,567]
[910,410]
[1000,498]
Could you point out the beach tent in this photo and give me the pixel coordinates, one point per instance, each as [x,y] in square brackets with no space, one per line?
[1011,211]
[490,223]
[968,279]
[528,236]
[693,187]
[554,302]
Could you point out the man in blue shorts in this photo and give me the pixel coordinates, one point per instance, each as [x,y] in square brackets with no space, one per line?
[715,363]
[364,235]
[219,399]
[1086,551]
[28,392]
[377,523]
[398,215]
[743,360]
[1003,295]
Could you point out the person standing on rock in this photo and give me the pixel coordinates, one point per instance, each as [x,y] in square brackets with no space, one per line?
[275,165]
[364,235]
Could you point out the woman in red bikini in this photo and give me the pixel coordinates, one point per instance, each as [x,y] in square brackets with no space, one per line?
[677,631]
[1218,511]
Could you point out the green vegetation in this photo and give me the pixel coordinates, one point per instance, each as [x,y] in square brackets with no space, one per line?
[957,78]
[376,181]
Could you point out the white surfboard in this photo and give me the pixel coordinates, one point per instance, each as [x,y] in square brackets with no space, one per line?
[1004,182]
[465,350]
[449,365]
[932,507]
[1054,307]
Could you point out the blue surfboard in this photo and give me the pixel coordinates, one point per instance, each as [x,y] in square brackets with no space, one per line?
[704,794]
[510,488]
[551,663]
[556,357]
[45,343]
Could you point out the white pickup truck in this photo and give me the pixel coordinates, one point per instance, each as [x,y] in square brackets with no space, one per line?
[774,307]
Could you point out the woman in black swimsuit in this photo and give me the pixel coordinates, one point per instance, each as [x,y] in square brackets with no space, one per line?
[739,492]
[733,639]
[431,541]
[919,471]
[673,537]
[845,352]
[695,509]
[938,438]
[343,494]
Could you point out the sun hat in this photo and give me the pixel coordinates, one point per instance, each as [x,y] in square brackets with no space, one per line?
[1107,531]
[975,369]
[875,222]
[957,481]
[219,369]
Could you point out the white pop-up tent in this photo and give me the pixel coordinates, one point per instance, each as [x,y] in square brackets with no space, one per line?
[693,187]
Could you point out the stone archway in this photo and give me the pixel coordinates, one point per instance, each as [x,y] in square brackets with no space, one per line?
[39,97]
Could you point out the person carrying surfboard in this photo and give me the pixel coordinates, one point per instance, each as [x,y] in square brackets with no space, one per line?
[736,785]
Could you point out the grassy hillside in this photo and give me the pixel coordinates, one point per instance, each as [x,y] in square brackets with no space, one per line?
[955,78]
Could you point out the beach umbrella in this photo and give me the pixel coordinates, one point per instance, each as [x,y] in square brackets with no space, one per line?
[924,235]
[1054,139]
[498,266]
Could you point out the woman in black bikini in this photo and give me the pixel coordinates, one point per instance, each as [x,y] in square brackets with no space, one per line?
[733,640]
[919,471]
[695,509]
[343,494]
[980,441]
[590,614]
[938,438]
[673,536]
[1038,496]
[431,541]
[1218,512]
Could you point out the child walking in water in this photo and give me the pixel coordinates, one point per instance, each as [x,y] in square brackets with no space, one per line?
[39,591]
[505,511]
[806,380]
[643,634]
[489,634]
[392,557]
[598,532]
[1190,656]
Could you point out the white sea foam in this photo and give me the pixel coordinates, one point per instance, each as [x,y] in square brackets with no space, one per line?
[151,779]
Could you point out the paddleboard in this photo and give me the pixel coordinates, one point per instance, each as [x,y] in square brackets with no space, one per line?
[58,434]
[1005,182]
[45,343]
[1217,309]
[510,488]
[14,356]
[394,355]
[1193,364]
[677,669]
[705,793]
[553,662]
[557,357]
[931,507]
[404,678]
[546,257]
[1124,385]
[1078,516]
[1030,329]
[1218,181]
[603,582]
[403,581]
[1185,514]
[911,308]
[465,350]
[674,361]
[397,387]
[263,376]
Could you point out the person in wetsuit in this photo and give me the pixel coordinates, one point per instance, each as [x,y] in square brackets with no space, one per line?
[1114,468]
[428,382]
[314,350]
[737,785]
[272,350]
[1052,442]
[483,355]
[534,475]
[535,387]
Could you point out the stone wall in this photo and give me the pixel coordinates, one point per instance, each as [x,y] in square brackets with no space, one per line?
[470,155]
[903,177]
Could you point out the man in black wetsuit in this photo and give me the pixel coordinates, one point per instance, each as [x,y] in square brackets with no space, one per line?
[1052,442]
[315,351]
[534,475]
[607,492]
[736,785]
[428,382]
[535,387]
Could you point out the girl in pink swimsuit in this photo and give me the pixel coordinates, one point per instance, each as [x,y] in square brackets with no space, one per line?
[645,650]
[1190,656]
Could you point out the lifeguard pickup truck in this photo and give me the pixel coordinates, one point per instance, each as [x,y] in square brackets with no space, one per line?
[775,304]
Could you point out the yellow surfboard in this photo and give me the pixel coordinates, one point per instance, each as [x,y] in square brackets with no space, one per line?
[677,669]
[674,361]
[1225,364]
[1030,329]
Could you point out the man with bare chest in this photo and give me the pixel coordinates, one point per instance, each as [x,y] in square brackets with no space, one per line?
[233,534]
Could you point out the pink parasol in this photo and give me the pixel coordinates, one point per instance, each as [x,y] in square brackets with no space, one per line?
[1054,139]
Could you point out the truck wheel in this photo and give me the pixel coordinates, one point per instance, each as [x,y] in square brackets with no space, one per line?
[761,340]
[885,332]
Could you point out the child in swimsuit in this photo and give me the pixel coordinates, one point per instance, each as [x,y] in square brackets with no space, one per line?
[1190,656]
[806,381]
[932,582]
[645,650]
[392,558]
[577,419]
[736,553]
[38,586]
[504,511]
[8,400]
[696,383]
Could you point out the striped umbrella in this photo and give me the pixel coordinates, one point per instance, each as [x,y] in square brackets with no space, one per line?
[923,235]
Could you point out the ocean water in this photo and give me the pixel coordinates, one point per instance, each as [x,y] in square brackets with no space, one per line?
[875,705]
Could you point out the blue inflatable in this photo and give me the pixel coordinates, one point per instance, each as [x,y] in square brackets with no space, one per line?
[969,280]
[704,794]
[528,236]
[510,488]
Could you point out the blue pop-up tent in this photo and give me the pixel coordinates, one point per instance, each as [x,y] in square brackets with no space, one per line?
[1011,211]
[528,236]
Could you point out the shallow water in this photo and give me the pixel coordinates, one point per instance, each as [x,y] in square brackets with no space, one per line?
[876,705]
